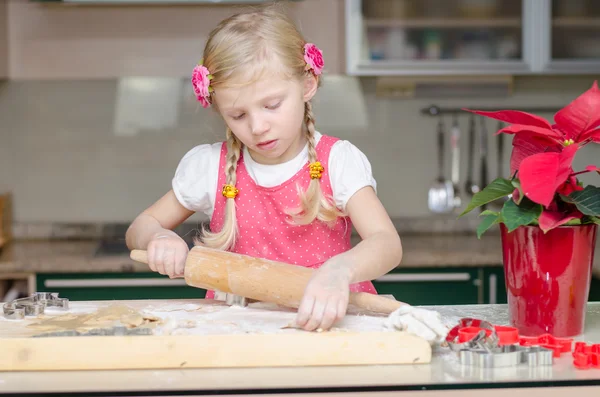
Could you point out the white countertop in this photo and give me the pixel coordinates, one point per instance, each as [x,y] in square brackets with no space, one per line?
[443,373]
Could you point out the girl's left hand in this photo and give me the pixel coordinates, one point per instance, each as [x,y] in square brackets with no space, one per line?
[325,298]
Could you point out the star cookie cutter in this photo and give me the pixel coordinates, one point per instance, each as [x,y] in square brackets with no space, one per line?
[33,305]
[507,356]
[486,338]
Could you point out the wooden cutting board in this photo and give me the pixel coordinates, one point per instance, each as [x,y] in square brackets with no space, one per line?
[197,334]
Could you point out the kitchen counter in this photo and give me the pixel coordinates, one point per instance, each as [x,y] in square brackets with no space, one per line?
[420,250]
[79,256]
[444,376]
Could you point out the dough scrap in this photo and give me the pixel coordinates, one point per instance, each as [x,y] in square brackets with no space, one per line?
[426,324]
[110,316]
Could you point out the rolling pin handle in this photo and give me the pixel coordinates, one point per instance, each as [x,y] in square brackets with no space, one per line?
[139,256]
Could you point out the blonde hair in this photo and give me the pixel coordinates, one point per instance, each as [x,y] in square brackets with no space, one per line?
[240,48]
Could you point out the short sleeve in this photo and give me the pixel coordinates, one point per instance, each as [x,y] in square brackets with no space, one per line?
[195,180]
[349,171]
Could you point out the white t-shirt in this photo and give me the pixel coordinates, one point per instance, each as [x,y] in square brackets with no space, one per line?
[196,177]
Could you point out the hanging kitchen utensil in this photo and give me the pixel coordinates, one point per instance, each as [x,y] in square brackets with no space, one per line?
[500,150]
[441,193]
[470,186]
[501,171]
[499,203]
[483,152]
[455,164]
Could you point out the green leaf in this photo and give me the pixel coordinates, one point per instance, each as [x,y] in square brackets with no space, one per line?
[590,219]
[498,188]
[515,215]
[489,212]
[487,222]
[586,200]
[517,184]
[573,222]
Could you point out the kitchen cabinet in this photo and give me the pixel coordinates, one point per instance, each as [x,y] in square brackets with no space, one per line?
[594,295]
[462,285]
[471,37]
[494,286]
[162,41]
[574,28]
[417,286]
[111,286]
[433,286]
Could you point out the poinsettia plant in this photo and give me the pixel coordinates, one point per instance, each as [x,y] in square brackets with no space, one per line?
[544,189]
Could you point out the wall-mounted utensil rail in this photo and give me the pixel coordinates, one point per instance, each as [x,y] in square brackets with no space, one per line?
[434,110]
[437,200]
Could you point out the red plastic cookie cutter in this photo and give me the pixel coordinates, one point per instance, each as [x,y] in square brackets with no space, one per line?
[558,345]
[486,340]
[506,335]
[586,356]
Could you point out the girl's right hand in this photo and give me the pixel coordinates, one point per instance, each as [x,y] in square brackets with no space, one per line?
[167,253]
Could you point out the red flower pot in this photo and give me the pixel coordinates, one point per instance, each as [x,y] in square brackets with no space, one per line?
[548,277]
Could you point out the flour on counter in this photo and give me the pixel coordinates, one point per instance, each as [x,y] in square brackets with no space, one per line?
[256,318]
[185,317]
[171,308]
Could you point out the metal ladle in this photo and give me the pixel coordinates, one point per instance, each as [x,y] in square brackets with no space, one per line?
[455,156]
[470,186]
[483,152]
[441,193]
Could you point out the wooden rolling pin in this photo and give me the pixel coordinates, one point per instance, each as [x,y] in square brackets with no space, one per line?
[260,279]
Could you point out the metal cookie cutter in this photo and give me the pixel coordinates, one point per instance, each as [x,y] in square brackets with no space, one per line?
[33,305]
[231,299]
[484,340]
[507,356]
[236,300]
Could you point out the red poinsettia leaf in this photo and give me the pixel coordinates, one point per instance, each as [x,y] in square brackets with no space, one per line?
[593,134]
[550,219]
[569,186]
[581,114]
[564,164]
[528,143]
[514,117]
[543,173]
[592,168]
[516,196]
[537,174]
[543,133]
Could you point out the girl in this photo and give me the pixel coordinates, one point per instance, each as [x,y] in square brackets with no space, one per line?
[276,188]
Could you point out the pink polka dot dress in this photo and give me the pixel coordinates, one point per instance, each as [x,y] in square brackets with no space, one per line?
[264,230]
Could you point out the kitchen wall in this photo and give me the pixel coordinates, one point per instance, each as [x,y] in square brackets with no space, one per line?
[3,39]
[78,143]
[91,151]
[7,165]
[58,41]
[5,147]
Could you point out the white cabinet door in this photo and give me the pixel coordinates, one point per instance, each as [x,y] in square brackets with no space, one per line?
[441,37]
[573,45]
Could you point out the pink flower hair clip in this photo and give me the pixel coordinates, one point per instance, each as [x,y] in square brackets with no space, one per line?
[201,82]
[314,58]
